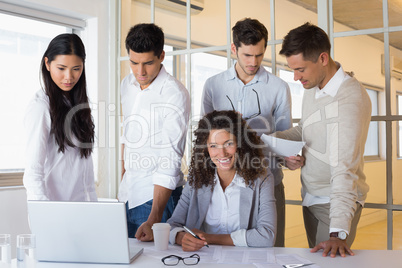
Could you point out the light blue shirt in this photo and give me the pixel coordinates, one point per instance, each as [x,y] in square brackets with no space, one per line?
[273,94]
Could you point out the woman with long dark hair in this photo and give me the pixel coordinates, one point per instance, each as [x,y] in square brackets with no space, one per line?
[229,197]
[60,128]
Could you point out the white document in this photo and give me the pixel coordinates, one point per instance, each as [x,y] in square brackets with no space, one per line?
[284,259]
[237,255]
[287,259]
[282,147]
[207,255]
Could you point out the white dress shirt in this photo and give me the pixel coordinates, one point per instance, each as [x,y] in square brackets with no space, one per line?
[223,216]
[154,136]
[49,174]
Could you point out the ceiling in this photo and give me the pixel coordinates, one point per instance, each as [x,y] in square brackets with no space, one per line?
[364,14]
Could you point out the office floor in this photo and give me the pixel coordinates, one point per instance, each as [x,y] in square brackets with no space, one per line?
[373,236]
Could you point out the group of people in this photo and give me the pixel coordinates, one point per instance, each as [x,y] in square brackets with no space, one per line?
[234,193]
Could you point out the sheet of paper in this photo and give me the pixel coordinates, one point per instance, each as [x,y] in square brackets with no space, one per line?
[238,255]
[294,259]
[282,147]
[207,255]
[256,256]
[269,265]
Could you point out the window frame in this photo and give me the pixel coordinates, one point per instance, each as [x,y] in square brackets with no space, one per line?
[13,177]
[398,133]
[379,91]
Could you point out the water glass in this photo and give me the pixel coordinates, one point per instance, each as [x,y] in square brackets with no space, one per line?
[26,247]
[5,248]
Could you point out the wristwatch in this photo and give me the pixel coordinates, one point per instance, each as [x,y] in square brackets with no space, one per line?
[341,235]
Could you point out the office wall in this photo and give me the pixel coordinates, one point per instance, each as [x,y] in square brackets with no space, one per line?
[13,213]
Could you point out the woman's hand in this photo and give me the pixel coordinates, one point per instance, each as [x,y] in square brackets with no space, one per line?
[189,242]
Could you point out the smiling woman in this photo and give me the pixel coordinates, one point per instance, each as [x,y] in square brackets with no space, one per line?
[229,198]
[222,148]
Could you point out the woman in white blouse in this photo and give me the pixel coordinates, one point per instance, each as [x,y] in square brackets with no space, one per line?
[229,197]
[59,127]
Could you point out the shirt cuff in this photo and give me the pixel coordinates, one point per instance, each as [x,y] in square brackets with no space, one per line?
[334,230]
[173,233]
[239,238]
[169,182]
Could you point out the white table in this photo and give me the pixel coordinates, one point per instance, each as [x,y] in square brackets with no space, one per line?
[362,258]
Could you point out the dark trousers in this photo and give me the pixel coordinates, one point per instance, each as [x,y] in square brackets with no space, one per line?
[138,215]
[316,222]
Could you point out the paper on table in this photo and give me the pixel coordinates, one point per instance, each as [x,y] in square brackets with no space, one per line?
[247,256]
[207,255]
[282,147]
[282,259]
[293,259]
[269,265]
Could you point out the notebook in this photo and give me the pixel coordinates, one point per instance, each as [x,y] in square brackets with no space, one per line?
[89,232]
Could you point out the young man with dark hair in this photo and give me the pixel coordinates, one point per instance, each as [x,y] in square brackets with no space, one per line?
[156,110]
[263,99]
[335,119]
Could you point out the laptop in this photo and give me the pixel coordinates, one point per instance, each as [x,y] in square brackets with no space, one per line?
[87,232]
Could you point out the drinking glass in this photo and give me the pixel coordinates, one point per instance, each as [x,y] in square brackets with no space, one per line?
[5,248]
[26,247]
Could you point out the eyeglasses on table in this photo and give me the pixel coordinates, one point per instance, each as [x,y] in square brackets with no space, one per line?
[253,115]
[173,260]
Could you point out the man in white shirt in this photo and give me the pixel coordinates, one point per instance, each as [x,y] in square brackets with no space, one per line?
[156,110]
[263,99]
[335,119]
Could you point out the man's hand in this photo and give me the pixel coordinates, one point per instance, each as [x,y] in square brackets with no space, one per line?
[161,196]
[294,162]
[144,232]
[332,246]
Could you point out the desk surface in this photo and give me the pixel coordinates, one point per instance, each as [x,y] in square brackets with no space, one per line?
[362,258]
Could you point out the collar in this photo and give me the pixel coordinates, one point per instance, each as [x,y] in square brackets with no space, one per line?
[237,180]
[260,76]
[157,84]
[333,85]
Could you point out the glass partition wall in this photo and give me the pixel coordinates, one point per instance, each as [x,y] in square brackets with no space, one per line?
[366,41]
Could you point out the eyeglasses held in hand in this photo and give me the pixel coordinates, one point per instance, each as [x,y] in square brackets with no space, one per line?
[253,115]
[173,260]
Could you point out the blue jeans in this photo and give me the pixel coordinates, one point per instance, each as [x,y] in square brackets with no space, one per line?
[138,215]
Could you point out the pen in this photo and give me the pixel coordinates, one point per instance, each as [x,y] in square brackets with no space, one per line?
[193,234]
